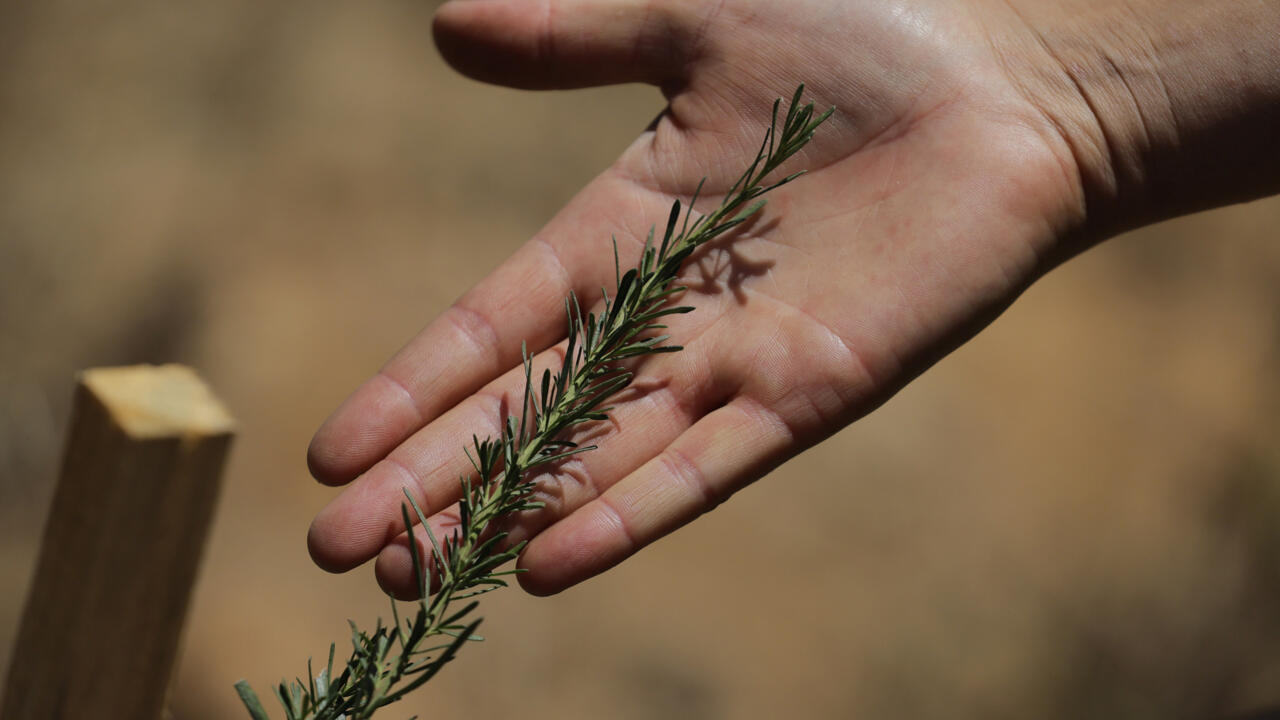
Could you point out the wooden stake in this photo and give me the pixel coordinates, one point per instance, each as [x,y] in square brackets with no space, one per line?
[123,541]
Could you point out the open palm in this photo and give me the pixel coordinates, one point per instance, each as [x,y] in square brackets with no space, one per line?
[936,193]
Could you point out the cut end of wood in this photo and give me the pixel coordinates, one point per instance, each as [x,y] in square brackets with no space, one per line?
[153,401]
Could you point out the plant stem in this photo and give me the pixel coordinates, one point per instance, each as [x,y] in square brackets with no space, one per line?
[467,562]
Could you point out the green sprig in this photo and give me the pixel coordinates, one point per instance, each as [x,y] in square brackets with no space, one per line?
[394,660]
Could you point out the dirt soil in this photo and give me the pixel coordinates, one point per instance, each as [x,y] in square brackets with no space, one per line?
[1075,515]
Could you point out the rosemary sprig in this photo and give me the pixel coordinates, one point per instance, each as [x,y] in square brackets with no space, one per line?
[395,659]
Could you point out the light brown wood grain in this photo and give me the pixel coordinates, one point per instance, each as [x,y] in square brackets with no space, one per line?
[140,477]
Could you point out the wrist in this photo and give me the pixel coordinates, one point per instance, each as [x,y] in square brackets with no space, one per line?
[1167,106]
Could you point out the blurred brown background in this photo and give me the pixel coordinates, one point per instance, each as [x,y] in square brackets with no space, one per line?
[1076,515]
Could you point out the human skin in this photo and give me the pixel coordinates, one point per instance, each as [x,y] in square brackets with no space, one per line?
[976,145]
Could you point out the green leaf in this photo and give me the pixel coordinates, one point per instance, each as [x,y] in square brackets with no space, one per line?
[251,701]
[754,208]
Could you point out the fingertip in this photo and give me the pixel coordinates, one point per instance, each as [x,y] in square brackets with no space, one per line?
[324,464]
[577,548]
[467,36]
[538,585]
[564,43]
[356,525]
[394,571]
[371,422]
[322,549]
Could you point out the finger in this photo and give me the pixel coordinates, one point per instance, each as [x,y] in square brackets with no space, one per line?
[366,516]
[403,584]
[396,577]
[711,460]
[567,43]
[480,336]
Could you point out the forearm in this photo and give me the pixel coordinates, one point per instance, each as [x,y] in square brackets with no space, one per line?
[1166,106]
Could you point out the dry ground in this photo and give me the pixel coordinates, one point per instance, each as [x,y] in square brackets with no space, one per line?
[1076,515]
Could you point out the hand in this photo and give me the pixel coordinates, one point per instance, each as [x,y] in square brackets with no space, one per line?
[958,168]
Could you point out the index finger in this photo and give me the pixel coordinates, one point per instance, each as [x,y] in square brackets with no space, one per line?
[479,337]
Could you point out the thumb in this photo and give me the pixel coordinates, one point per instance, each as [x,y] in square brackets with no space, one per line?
[542,44]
